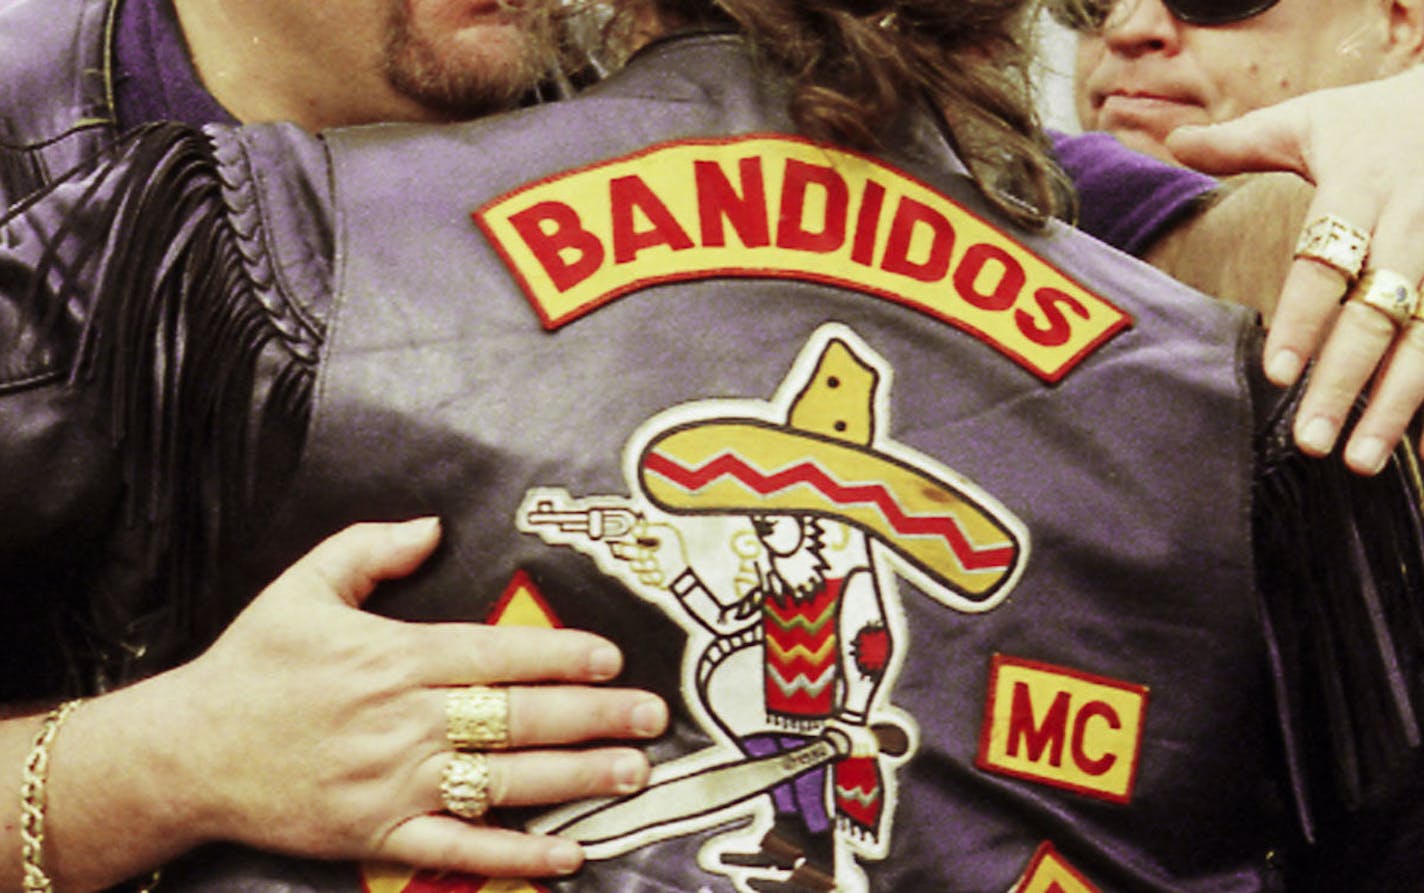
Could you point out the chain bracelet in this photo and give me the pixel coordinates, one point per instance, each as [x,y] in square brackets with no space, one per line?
[32,800]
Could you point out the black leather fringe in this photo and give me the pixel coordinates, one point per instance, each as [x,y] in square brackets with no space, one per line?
[22,171]
[203,388]
[19,172]
[1341,577]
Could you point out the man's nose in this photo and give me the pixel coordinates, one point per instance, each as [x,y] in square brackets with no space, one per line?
[1135,27]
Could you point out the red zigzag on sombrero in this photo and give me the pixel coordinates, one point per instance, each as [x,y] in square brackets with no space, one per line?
[730,465]
[935,520]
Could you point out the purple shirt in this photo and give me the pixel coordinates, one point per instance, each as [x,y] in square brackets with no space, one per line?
[1125,198]
[154,78]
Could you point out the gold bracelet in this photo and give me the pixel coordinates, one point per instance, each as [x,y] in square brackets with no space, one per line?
[32,800]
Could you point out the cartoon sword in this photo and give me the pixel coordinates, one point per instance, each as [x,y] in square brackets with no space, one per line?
[711,789]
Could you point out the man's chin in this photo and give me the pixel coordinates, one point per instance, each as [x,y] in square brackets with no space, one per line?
[480,69]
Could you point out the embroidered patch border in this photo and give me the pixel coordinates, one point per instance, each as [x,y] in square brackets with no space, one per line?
[1049,872]
[782,207]
[778,534]
[1062,727]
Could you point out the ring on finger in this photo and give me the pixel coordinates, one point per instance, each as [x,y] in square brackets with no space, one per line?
[1388,292]
[477,718]
[1335,242]
[464,786]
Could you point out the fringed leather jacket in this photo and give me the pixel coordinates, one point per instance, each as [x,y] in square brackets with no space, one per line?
[51,104]
[56,89]
[816,435]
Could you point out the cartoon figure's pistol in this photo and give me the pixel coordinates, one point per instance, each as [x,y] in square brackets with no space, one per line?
[596,523]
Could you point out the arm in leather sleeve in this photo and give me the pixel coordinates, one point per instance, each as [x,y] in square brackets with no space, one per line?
[1340,571]
[157,387]
[57,469]
[59,481]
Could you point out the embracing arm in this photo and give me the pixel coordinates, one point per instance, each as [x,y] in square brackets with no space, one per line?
[314,728]
[155,387]
[309,727]
[1360,146]
[1238,245]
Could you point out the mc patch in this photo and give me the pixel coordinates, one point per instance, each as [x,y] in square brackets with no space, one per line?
[1062,727]
[781,207]
[1049,872]
[778,534]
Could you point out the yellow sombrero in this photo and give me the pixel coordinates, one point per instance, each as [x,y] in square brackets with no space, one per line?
[821,462]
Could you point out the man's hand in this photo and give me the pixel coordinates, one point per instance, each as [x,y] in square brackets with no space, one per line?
[1363,148]
[319,729]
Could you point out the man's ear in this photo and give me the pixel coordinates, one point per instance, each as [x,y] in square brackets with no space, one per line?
[1405,44]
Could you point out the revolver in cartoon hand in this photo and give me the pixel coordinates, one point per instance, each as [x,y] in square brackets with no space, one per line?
[595,523]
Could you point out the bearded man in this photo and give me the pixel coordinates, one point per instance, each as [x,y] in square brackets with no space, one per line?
[74,73]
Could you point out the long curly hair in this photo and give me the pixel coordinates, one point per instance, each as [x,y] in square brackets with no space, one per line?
[861,66]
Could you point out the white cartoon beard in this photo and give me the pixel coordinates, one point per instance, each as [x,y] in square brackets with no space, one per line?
[800,574]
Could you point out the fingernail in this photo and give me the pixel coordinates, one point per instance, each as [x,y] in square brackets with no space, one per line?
[1284,367]
[605,662]
[628,773]
[1366,455]
[650,717]
[565,856]
[416,531]
[1317,437]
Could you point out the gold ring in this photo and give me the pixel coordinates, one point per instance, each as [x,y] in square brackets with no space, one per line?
[464,786]
[477,718]
[1388,292]
[1335,242]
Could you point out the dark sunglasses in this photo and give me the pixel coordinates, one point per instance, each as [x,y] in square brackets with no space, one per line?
[1094,15]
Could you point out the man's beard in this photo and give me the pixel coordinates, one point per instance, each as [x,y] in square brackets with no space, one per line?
[460,81]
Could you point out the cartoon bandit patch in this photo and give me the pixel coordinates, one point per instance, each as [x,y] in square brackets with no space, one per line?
[774,533]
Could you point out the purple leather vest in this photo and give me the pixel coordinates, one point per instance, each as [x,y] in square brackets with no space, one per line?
[540,332]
